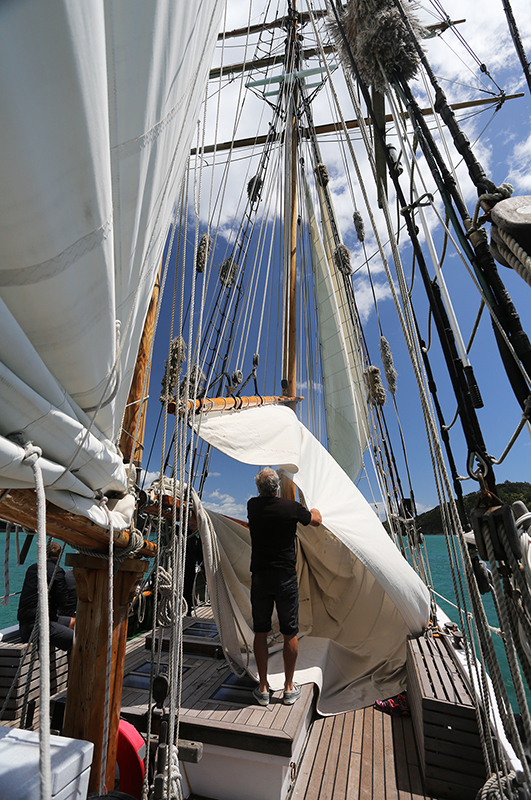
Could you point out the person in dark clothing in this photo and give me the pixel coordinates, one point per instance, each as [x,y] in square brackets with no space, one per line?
[273,528]
[193,556]
[70,609]
[61,627]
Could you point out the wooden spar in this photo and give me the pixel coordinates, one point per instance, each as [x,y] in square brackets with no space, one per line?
[289,385]
[333,127]
[304,17]
[260,63]
[247,66]
[18,506]
[232,403]
[133,410]
[85,706]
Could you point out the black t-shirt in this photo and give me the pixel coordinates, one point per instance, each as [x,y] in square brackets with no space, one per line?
[273,526]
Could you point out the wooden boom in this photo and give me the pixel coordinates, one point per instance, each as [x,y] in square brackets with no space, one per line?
[18,506]
[232,403]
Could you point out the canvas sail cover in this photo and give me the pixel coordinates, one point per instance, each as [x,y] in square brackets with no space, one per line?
[359,598]
[99,104]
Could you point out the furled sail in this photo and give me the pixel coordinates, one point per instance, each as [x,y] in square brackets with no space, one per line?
[359,597]
[341,357]
[89,175]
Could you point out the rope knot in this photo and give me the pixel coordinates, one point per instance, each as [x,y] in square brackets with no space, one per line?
[32,454]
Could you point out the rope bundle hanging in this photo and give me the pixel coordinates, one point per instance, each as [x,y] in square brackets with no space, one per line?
[388,364]
[321,174]
[172,368]
[377,36]
[375,387]
[196,382]
[227,271]
[342,259]
[359,225]
[254,188]
[203,250]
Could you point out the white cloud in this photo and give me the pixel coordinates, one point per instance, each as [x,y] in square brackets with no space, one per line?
[147,478]
[520,163]
[225,504]
[364,295]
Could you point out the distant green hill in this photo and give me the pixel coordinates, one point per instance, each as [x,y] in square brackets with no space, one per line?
[430,521]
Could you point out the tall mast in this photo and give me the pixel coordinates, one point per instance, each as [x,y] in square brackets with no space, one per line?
[289,376]
[289,383]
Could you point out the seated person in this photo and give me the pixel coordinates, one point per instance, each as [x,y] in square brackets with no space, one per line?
[70,609]
[61,628]
[193,556]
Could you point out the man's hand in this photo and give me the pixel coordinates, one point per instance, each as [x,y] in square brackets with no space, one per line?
[316,519]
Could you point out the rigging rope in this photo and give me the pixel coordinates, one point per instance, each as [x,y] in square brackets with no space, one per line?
[5,599]
[31,458]
[110,626]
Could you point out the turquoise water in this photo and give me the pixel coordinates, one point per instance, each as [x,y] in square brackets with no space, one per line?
[437,554]
[442,581]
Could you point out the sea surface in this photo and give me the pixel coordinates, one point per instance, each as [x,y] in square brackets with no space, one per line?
[437,555]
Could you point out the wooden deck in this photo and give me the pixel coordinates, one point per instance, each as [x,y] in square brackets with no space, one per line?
[362,754]
[282,751]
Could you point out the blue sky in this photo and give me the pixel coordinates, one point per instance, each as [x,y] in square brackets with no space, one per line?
[505,151]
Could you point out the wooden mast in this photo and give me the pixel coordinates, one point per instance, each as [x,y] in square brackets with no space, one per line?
[136,406]
[289,382]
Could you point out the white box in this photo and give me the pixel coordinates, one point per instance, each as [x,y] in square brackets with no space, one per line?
[19,766]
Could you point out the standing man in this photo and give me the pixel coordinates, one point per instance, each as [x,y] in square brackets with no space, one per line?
[273,527]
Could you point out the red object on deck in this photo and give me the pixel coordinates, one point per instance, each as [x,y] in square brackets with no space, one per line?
[130,759]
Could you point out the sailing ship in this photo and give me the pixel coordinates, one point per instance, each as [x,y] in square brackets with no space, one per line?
[127,140]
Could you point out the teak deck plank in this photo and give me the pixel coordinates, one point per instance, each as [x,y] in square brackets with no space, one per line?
[367,756]
[361,753]
[455,690]
[320,758]
[343,756]
[378,772]
[391,792]
[330,776]
[307,759]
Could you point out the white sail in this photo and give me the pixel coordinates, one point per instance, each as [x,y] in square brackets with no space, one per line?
[359,597]
[89,177]
[342,362]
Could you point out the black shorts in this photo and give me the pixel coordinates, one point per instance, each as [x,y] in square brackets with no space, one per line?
[273,588]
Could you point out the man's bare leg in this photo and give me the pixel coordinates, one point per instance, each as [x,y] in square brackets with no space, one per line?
[290,653]
[261,655]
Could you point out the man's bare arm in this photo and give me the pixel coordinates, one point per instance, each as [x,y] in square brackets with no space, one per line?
[316,517]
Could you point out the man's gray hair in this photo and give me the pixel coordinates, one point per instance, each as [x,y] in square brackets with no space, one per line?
[267,481]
